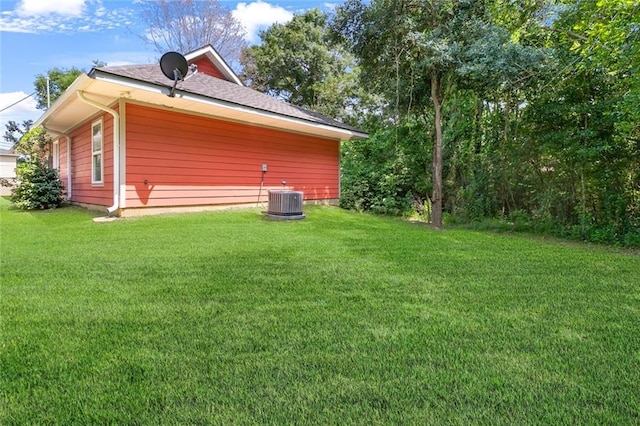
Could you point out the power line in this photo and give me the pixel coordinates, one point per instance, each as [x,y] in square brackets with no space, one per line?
[15,103]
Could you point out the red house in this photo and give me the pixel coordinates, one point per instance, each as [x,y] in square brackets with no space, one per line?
[122,144]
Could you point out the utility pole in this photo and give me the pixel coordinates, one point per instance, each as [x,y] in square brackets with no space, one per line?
[48,93]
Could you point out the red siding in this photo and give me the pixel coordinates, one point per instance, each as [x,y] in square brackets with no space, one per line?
[192,160]
[82,190]
[206,67]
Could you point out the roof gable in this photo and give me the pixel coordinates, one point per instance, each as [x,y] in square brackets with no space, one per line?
[206,67]
[211,63]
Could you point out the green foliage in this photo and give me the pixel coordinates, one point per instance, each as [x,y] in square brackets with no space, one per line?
[386,173]
[59,80]
[298,62]
[14,131]
[539,103]
[34,143]
[605,34]
[39,186]
[585,166]
[417,53]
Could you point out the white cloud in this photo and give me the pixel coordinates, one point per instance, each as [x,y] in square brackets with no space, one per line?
[258,15]
[24,110]
[64,16]
[10,24]
[58,7]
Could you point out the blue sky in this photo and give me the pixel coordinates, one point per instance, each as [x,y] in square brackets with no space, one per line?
[37,35]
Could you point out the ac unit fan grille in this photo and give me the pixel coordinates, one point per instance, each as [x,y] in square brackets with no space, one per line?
[285,204]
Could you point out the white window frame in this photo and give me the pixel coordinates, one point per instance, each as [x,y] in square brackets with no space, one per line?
[55,160]
[97,152]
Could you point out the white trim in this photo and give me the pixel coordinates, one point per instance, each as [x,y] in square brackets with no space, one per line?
[69,165]
[267,114]
[55,155]
[133,83]
[68,138]
[95,152]
[122,152]
[115,148]
[217,62]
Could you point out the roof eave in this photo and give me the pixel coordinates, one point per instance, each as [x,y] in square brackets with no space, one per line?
[68,95]
[261,117]
[340,133]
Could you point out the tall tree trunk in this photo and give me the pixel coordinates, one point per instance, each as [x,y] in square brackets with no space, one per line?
[477,127]
[436,200]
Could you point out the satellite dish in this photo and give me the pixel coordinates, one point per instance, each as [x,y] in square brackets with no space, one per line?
[174,67]
[172,61]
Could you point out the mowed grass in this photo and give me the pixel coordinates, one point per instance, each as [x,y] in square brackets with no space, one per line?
[342,318]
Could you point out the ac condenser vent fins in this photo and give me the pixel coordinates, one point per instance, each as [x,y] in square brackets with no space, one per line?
[285,205]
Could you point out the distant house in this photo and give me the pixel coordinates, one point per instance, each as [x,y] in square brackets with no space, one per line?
[7,168]
[121,143]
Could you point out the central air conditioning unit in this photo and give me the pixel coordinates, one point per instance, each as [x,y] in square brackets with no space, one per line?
[285,205]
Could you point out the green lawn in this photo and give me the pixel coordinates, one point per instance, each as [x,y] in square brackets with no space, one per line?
[342,318]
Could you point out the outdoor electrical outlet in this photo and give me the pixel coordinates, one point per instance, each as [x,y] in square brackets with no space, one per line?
[264,167]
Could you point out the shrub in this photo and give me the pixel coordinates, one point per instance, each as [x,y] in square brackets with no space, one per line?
[520,219]
[632,239]
[386,172]
[39,186]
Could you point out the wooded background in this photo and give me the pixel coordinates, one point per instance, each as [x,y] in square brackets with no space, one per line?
[534,104]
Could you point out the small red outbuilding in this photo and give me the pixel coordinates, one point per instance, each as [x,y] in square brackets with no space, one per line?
[121,143]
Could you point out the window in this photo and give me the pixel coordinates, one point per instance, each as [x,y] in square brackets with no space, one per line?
[96,152]
[55,161]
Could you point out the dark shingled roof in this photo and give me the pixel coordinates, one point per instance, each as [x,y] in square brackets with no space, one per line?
[222,90]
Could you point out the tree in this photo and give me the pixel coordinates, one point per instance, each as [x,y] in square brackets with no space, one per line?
[584,123]
[39,186]
[33,144]
[539,111]
[186,25]
[298,62]
[606,35]
[15,131]
[385,173]
[59,80]
[418,51]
